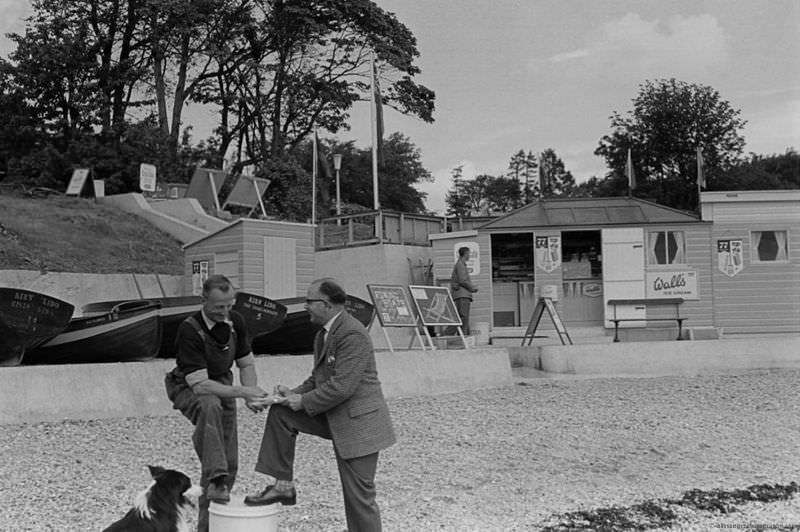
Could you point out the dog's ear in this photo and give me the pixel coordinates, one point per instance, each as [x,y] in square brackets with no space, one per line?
[156,471]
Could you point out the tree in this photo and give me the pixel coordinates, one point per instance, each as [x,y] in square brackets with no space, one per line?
[558,182]
[669,121]
[456,198]
[306,63]
[522,168]
[763,172]
[403,170]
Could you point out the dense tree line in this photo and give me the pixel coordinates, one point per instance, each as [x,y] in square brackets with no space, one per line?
[105,83]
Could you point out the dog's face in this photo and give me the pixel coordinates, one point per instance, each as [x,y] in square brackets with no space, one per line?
[173,482]
[163,505]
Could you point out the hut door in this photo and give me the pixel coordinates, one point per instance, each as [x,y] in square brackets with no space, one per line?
[280,267]
[623,273]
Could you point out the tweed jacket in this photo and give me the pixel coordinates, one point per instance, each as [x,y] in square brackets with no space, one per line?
[460,283]
[344,386]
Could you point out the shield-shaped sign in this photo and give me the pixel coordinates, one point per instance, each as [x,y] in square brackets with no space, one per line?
[730,256]
[548,252]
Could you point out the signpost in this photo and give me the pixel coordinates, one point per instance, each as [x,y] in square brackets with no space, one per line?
[435,307]
[545,303]
[78,181]
[394,309]
[147,177]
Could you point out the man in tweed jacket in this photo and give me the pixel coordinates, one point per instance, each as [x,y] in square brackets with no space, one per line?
[342,401]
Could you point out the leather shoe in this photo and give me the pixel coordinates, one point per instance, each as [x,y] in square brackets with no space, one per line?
[270,495]
[218,493]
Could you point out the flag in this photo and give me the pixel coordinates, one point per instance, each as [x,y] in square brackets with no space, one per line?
[629,172]
[701,178]
[377,102]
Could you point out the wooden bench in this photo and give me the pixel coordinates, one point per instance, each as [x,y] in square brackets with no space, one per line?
[677,301]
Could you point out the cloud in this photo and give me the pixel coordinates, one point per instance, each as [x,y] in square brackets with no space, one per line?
[684,44]
[567,56]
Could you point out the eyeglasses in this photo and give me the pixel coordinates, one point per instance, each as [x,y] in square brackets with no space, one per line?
[309,301]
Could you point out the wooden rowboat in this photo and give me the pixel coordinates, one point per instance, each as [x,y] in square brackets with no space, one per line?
[129,332]
[172,313]
[28,319]
[296,335]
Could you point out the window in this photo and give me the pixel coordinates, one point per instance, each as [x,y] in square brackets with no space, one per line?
[769,246]
[666,247]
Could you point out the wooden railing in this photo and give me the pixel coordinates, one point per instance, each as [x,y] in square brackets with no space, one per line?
[377,227]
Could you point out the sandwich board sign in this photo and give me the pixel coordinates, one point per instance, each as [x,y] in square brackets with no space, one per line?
[435,306]
[147,177]
[394,309]
[78,182]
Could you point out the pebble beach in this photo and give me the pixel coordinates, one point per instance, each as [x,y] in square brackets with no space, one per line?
[519,457]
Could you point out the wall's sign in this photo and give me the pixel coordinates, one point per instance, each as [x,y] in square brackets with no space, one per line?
[664,284]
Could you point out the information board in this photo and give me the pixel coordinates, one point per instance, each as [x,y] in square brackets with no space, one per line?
[392,305]
[147,177]
[77,182]
[435,305]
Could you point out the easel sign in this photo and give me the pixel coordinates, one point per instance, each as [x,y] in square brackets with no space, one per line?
[78,182]
[394,309]
[545,303]
[435,307]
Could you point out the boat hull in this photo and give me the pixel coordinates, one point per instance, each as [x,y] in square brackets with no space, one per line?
[131,332]
[174,310]
[28,319]
[296,335]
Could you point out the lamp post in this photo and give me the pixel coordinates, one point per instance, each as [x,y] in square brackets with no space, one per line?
[337,165]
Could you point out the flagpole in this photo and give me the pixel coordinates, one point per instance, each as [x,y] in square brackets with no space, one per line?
[314,171]
[701,178]
[374,127]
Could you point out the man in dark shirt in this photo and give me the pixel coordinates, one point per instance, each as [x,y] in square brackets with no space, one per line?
[201,387]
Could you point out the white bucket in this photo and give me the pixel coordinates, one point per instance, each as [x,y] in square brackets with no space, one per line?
[481,330]
[236,517]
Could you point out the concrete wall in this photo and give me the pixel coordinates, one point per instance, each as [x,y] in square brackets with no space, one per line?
[30,394]
[81,288]
[135,203]
[668,358]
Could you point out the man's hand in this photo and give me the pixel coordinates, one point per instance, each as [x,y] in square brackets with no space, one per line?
[282,390]
[251,393]
[293,401]
[259,405]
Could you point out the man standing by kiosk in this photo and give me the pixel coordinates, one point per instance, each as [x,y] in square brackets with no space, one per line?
[462,287]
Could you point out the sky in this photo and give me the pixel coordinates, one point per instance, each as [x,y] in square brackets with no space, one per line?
[539,74]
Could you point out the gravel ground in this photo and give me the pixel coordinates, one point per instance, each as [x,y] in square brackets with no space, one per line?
[512,458]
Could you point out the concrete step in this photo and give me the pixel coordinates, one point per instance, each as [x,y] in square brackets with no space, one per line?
[512,336]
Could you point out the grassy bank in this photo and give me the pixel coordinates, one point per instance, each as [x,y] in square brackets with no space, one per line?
[68,234]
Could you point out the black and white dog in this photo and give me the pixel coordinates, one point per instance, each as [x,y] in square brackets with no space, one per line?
[163,506]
